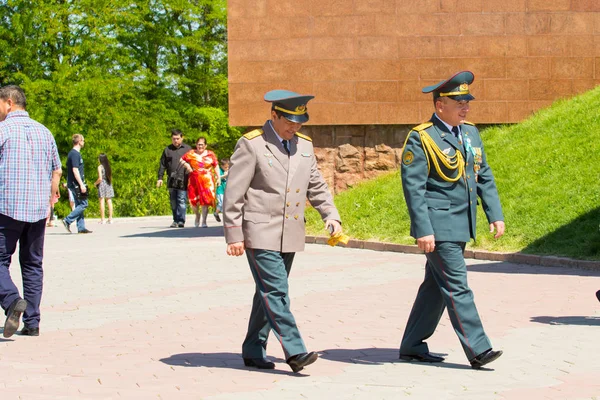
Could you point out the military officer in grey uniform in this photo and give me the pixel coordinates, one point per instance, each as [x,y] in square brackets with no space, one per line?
[444,169]
[273,171]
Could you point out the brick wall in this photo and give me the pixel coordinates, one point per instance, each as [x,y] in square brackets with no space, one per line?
[366,61]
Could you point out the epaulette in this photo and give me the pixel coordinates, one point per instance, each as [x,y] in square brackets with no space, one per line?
[303,136]
[423,126]
[253,134]
[468,123]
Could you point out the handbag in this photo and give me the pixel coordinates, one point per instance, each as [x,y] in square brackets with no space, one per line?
[176,181]
[79,194]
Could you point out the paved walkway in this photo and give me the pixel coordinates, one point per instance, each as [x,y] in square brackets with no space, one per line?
[140,311]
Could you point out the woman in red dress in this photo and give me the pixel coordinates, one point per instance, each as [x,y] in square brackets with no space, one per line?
[202,165]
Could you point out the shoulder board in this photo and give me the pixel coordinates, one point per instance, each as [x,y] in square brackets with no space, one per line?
[303,136]
[253,134]
[468,123]
[422,127]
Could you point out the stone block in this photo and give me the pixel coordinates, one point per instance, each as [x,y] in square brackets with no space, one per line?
[482,24]
[382,70]
[377,91]
[548,46]
[519,258]
[379,158]
[541,89]
[243,9]
[374,6]
[549,5]
[502,89]
[572,68]
[345,26]
[349,159]
[579,23]
[585,5]
[322,136]
[503,6]
[584,45]
[376,246]
[583,85]
[467,6]
[588,265]
[321,240]
[489,255]
[354,113]
[417,6]
[416,47]
[489,112]
[377,47]
[528,68]
[327,8]
[249,50]
[330,48]
[438,25]
[286,8]
[519,111]
[343,181]
[551,261]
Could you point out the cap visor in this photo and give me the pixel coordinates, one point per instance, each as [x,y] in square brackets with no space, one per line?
[299,119]
[463,97]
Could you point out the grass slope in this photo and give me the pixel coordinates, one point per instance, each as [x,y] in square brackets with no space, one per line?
[547,169]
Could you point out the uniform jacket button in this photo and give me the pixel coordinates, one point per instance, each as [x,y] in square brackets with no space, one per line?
[297,190]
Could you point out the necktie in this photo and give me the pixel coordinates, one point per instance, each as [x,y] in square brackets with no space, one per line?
[286,146]
[457,135]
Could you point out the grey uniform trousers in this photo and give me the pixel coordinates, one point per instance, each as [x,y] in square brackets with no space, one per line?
[445,286]
[271,305]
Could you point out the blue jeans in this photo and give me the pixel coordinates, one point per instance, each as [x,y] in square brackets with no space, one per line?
[178,204]
[30,236]
[77,213]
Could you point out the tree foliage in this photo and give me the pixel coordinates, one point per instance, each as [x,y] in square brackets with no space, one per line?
[123,73]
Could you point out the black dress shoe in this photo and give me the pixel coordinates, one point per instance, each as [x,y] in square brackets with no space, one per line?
[485,358]
[13,316]
[27,331]
[260,363]
[299,361]
[423,357]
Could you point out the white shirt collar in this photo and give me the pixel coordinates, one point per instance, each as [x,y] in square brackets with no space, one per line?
[447,125]
[276,134]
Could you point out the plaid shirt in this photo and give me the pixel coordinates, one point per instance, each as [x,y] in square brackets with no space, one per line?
[28,155]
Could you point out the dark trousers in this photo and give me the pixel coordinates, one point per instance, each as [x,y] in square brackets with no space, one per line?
[445,286]
[178,199]
[271,305]
[30,236]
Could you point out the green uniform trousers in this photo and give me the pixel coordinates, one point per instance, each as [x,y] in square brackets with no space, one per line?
[445,286]
[271,305]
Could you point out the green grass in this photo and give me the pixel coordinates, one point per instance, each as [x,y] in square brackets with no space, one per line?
[547,169]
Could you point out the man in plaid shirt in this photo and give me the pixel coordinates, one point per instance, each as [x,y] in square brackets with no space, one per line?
[30,172]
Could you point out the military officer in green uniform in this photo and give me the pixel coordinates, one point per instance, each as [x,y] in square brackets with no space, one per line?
[444,170]
[273,172]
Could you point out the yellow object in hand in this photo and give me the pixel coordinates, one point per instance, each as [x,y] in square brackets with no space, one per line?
[337,238]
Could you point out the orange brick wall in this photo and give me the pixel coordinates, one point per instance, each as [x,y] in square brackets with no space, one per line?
[367,60]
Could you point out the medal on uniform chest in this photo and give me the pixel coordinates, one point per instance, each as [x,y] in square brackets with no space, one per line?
[270,160]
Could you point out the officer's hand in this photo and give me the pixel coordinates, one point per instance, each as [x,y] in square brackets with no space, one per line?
[159,183]
[337,227]
[499,226]
[235,249]
[426,243]
[83,189]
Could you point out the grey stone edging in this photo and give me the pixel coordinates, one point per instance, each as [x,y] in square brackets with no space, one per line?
[517,258]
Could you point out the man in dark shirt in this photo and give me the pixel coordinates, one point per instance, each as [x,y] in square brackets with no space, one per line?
[176,177]
[76,184]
